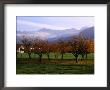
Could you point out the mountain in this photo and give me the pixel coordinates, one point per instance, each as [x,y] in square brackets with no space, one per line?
[49,33]
[54,35]
[88,33]
[58,33]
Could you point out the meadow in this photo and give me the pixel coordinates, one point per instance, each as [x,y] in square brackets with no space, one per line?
[66,66]
[66,56]
[55,69]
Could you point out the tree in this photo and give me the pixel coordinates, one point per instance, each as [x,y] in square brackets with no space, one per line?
[86,46]
[55,49]
[47,49]
[61,47]
[75,45]
[39,48]
[89,47]
[27,43]
[82,47]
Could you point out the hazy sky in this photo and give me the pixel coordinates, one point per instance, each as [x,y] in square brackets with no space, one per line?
[27,23]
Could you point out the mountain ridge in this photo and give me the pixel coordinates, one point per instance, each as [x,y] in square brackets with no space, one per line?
[53,35]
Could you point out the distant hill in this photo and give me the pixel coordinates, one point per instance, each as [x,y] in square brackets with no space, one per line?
[88,33]
[54,35]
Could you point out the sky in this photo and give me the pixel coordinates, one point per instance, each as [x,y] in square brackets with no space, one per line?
[34,23]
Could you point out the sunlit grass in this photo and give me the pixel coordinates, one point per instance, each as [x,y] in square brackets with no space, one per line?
[52,56]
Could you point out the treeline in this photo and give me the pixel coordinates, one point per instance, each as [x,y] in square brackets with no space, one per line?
[77,46]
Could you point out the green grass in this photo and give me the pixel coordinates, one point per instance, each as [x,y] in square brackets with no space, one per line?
[66,56]
[54,69]
[66,66]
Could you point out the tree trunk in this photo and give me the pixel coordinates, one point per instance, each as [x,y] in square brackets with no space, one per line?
[29,55]
[76,56]
[82,57]
[56,56]
[48,57]
[62,56]
[76,59]
[40,57]
[86,56]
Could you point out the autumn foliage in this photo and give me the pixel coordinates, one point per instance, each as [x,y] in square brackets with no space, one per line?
[77,46]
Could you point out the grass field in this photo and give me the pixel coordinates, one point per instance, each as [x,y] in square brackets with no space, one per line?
[54,69]
[66,66]
[66,56]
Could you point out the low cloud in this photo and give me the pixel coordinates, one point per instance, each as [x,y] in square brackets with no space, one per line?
[43,35]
